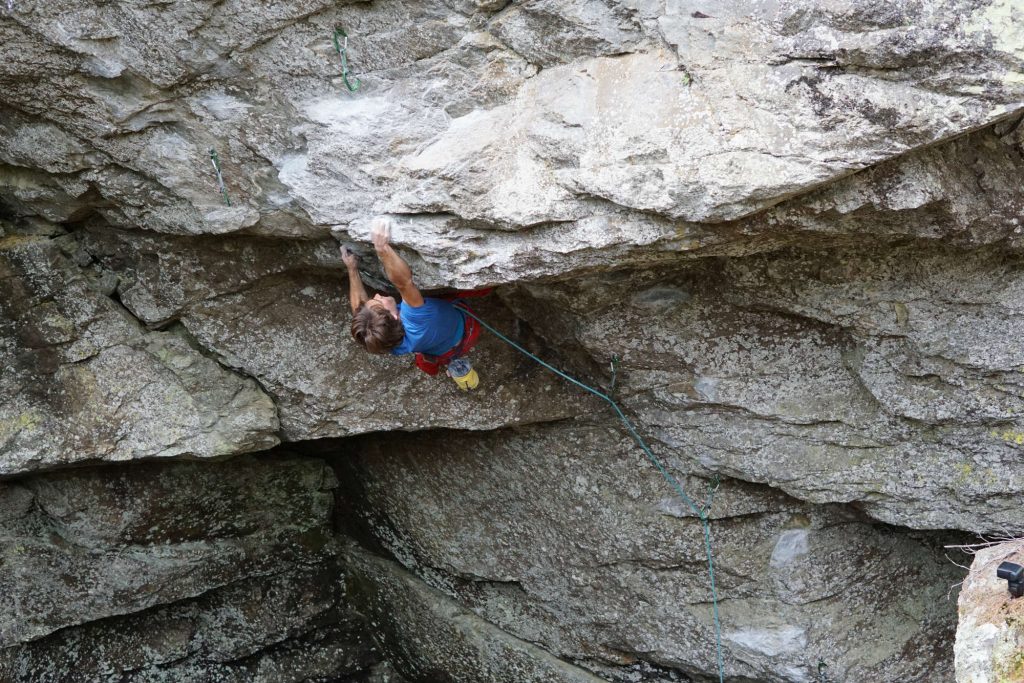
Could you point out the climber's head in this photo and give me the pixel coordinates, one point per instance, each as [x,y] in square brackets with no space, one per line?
[376,326]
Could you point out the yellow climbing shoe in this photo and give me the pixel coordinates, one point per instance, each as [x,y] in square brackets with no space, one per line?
[463,373]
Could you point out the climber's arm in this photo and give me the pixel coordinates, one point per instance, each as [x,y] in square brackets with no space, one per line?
[395,268]
[356,292]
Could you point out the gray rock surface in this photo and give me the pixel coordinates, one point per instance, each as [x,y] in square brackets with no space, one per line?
[286,323]
[565,537]
[177,572]
[545,112]
[79,546]
[890,378]
[435,639]
[990,638]
[83,380]
[797,223]
[290,626]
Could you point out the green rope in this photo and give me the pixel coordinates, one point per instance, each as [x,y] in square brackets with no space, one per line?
[342,50]
[701,513]
[220,177]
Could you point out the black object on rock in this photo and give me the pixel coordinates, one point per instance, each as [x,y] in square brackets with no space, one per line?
[1014,575]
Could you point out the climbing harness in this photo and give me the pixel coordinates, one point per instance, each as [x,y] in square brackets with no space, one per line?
[702,513]
[470,335]
[220,176]
[342,50]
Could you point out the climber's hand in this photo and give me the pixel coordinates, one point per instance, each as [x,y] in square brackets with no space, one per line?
[349,257]
[380,233]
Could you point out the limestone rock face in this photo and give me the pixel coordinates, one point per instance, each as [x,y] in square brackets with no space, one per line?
[498,116]
[456,644]
[286,323]
[793,228]
[83,380]
[898,367]
[141,536]
[291,626]
[990,639]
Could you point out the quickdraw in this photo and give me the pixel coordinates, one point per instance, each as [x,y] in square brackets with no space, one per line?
[342,49]
[712,490]
[220,176]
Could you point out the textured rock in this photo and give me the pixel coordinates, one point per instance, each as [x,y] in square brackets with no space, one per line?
[564,536]
[963,193]
[887,377]
[292,626]
[694,111]
[83,545]
[989,638]
[285,322]
[435,640]
[797,223]
[84,381]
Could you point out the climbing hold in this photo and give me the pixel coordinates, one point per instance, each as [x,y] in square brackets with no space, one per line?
[342,49]
[220,176]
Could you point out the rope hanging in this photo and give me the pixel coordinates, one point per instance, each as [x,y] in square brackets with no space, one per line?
[702,513]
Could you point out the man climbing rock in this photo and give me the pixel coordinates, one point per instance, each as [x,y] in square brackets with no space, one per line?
[436,330]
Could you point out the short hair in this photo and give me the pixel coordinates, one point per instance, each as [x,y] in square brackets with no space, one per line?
[375,330]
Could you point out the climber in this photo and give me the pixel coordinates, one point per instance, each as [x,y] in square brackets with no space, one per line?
[435,329]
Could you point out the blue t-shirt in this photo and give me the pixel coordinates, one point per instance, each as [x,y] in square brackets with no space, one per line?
[434,328]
